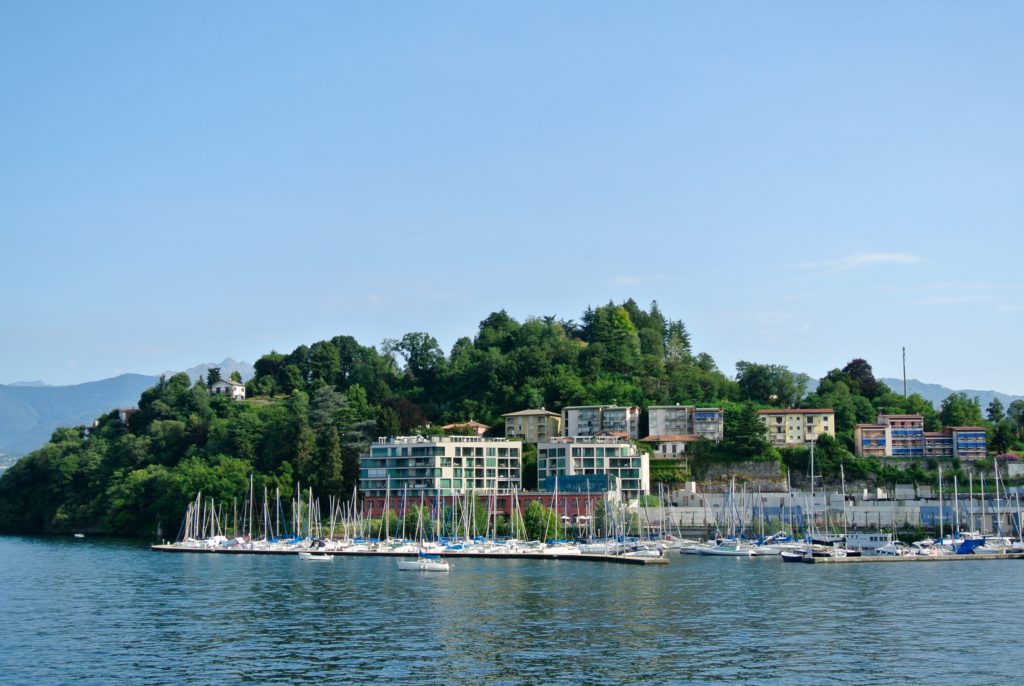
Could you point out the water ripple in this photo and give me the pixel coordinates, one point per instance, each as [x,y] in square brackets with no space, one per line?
[103,612]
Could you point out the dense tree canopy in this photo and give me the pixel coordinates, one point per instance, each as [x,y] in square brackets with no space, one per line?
[312,411]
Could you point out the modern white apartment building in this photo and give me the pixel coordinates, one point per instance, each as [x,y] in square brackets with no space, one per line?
[576,455]
[440,465]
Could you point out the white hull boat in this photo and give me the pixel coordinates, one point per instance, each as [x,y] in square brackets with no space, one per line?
[424,564]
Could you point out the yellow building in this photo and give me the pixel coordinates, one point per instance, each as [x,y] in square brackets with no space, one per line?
[792,428]
[532,426]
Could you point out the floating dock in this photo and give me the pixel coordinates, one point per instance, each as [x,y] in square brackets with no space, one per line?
[614,559]
[910,558]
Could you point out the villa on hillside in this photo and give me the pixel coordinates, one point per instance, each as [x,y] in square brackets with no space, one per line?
[228,387]
[477,428]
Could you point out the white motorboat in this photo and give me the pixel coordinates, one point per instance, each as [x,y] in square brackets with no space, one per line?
[316,557]
[895,549]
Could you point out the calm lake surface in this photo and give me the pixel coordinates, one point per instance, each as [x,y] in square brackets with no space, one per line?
[100,612]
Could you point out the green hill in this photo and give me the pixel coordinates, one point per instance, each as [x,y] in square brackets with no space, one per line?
[311,412]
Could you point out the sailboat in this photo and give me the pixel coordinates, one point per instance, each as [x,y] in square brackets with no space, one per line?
[732,546]
[423,562]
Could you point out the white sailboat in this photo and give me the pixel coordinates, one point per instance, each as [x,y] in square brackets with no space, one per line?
[424,563]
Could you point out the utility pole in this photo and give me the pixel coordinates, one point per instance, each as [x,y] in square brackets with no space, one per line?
[904,373]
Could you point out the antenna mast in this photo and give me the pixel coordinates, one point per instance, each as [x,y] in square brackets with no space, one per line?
[904,373]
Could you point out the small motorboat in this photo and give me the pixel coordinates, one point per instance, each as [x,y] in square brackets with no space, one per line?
[316,557]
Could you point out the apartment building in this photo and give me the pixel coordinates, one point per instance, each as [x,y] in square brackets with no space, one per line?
[902,436]
[440,465]
[578,455]
[872,440]
[969,442]
[685,420]
[907,431]
[795,428]
[591,420]
[532,426]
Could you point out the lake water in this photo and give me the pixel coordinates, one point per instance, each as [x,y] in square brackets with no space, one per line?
[101,612]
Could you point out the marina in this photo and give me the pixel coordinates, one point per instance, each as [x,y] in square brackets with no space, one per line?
[521,555]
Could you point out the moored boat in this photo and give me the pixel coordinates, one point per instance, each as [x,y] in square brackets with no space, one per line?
[424,563]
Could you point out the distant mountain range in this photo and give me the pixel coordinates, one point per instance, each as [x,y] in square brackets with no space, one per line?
[228,366]
[30,411]
[936,393]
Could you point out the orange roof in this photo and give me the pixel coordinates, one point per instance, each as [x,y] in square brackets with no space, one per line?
[476,425]
[967,428]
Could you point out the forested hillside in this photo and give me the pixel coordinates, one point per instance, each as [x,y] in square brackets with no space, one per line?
[312,411]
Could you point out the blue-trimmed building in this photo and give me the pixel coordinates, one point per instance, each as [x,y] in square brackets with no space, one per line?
[902,436]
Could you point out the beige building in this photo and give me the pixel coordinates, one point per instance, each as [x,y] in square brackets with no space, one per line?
[794,428]
[532,426]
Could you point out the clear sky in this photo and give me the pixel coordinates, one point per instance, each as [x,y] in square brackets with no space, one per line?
[801,184]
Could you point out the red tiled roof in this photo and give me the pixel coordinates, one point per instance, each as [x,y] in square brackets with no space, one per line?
[476,425]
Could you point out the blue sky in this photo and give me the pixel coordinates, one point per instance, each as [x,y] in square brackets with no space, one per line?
[801,184]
